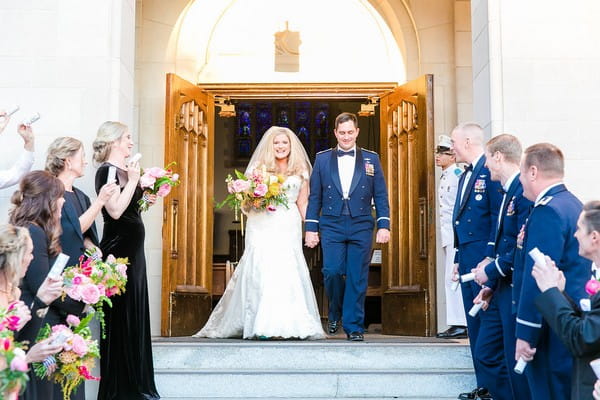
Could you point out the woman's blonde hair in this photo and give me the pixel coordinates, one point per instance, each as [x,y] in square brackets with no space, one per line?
[58,151]
[298,162]
[13,240]
[109,132]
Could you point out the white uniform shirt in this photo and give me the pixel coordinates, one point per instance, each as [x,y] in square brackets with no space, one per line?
[346,170]
[447,196]
[13,175]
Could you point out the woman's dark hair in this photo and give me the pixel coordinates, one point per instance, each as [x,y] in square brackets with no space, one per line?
[36,202]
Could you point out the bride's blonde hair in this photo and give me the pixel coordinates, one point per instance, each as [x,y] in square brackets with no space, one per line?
[298,162]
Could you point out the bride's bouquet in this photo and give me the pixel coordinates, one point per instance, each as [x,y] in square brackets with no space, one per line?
[259,192]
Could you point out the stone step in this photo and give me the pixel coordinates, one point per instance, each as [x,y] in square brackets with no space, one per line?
[328,369]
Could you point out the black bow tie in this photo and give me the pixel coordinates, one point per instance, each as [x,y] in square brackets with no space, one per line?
[469,168]
[341,153]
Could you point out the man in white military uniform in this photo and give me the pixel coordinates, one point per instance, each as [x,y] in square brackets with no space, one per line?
[455,312]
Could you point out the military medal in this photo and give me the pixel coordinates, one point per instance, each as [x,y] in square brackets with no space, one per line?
[478,197]
[510,209]
[369,169]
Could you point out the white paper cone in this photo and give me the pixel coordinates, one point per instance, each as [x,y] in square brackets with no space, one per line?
[475,309]
[520,367]
[595,364]
[454,285]
[538,256]
[467,277]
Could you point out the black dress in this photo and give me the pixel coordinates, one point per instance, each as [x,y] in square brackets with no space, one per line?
[71,242]
[126,366]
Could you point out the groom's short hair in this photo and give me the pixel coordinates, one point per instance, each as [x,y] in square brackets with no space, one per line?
[345,117]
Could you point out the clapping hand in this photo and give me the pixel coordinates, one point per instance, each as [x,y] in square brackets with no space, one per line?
[548,276]
[27,134]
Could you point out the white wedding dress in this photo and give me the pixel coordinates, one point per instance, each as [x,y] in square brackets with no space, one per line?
[270,294]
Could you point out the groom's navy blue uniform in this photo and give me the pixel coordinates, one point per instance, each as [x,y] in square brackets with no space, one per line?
[346,227]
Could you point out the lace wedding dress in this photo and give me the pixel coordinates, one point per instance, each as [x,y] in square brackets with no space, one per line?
[270,293]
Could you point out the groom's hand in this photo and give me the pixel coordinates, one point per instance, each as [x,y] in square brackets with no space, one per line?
[311,239]
[383,235]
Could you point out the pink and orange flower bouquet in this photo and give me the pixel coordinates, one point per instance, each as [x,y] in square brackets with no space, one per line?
[259,192]
[94,282]
[13,365]
[158,181]
[74,363]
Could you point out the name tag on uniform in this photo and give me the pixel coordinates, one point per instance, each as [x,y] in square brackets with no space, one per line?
[369,168]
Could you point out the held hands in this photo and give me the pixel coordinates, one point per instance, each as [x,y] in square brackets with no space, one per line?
[383,235]
[311,239]
[548,276]
[524,350]
[484,296]
[50,290]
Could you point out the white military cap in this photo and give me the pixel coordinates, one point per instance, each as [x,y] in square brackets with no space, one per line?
[445,142]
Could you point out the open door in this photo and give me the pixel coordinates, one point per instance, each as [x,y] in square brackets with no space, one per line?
[408,267]
[188,210]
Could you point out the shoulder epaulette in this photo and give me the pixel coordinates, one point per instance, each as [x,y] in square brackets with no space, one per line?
[544,201]
[369,151]
[325,151]
[457,171]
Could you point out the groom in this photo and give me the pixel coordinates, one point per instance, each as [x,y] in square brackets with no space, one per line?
[344,182]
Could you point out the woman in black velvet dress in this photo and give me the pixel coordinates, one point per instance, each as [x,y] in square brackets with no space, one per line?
[126,366]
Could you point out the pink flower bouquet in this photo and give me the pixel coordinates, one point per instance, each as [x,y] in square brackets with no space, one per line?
[94,281]
[13,365]
[15,316]
[77,358]
[261,191]
[157,181]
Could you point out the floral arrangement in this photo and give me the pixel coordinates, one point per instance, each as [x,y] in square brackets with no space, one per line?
[13,364]
[261,191]
[73,364]
[157,181]
[592,287]
[94,281]
[15,316]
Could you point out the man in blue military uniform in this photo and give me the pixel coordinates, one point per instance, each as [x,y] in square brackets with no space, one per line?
[503,156]
[475,217]
[344,182]
[550,227]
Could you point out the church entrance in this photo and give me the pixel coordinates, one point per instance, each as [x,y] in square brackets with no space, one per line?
[201,245]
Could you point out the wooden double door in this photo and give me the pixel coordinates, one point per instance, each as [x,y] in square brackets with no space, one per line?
[406,143]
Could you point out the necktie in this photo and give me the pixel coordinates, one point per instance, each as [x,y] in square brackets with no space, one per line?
[468,168]
[341,153]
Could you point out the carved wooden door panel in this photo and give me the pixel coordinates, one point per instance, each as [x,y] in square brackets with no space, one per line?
[408,268]
[188,210]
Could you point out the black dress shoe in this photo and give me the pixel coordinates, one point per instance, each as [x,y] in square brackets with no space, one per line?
[333,327]
[479,393]
[454,332]
[356,337]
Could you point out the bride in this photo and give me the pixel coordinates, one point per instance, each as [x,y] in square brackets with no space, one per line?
[270,294]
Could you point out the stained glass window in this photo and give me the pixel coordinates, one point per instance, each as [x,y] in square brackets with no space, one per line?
[310,121]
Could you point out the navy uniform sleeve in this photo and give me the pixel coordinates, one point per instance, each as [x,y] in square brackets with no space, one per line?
[311,224]
[545,232]
[380,195]
[503,265]
[579,332]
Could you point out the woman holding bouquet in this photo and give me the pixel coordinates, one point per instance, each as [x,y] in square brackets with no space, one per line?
[16,252]
[126,364]
[66,161]
[37,206]
[270,294]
